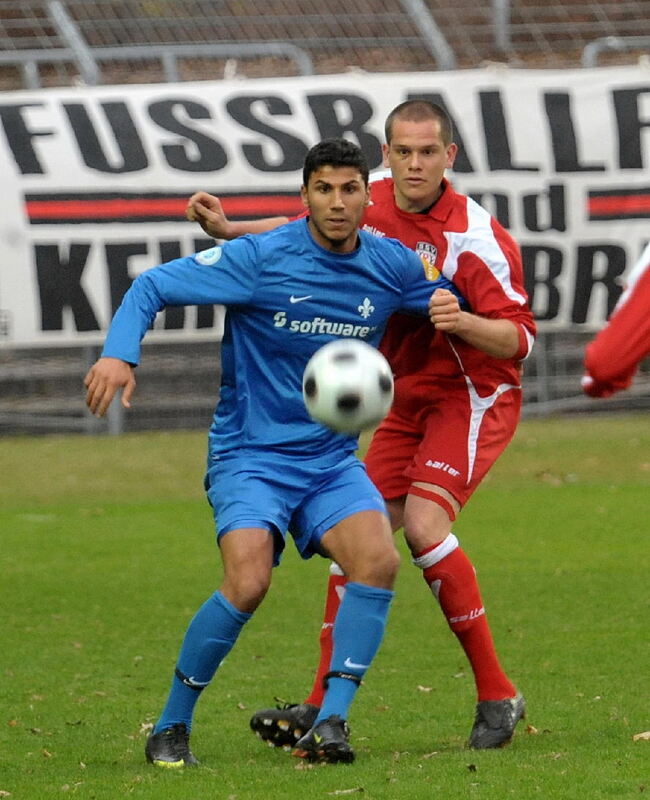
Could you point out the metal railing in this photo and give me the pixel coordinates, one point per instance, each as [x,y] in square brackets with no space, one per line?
[41,391]
[593,50]
[88,59]
[101,41]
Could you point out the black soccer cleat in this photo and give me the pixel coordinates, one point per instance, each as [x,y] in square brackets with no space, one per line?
[327,741]
[170,748]
[495,722]
[283,725]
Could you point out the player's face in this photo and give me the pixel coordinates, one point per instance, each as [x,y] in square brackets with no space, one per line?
[336,198]
[417,158]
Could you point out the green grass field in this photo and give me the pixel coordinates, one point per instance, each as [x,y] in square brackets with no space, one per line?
[107,549]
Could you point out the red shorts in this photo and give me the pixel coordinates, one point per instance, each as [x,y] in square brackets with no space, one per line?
[450,442]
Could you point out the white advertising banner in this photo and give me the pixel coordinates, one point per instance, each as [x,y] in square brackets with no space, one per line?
[95,180]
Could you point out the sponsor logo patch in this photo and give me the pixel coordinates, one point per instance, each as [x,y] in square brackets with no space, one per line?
[322,325]
[443,466]
[374,231]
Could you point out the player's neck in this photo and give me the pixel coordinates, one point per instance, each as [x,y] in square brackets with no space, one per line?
[340,246]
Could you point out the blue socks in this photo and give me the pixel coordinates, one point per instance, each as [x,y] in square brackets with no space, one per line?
[358,631]
[210,637]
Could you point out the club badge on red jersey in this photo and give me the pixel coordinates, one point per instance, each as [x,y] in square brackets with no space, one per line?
[428,253]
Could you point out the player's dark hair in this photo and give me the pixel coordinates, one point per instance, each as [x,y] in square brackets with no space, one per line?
[419,111]
[334,153]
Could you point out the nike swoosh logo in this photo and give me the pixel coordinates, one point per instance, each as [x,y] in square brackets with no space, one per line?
[194,683]
[294,299]
[351,665]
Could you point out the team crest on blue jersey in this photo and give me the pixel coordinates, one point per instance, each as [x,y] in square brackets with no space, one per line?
[210,256]
[428,253]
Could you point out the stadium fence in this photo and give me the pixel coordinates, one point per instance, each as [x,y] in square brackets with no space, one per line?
[47,43]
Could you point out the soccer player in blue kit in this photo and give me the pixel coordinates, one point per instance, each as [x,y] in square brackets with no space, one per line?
[271,468]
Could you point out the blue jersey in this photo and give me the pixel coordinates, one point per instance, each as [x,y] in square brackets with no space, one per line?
[286,297]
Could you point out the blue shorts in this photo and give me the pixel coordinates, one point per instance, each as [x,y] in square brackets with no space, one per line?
[288,493]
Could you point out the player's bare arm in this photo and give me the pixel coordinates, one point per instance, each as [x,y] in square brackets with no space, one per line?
[498,338]
[206,209]
[104,379]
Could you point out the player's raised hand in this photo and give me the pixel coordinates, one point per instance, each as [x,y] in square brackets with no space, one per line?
[104,378]
[444,310]
[206,209]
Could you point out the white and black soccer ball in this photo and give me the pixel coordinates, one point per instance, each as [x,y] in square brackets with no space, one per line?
[347,386]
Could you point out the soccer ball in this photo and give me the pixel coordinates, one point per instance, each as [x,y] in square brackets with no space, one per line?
[347,386]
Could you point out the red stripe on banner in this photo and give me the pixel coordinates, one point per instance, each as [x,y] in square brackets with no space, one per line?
[120,208]
[620,204]
[102,209]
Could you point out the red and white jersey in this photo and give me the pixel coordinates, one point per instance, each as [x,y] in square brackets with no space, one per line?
[613,356]
[460,239]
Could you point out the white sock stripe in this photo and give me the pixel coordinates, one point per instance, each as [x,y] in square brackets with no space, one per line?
[445,547]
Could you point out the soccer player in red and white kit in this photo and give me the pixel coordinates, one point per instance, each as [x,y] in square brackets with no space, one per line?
[613,356]
[457,397]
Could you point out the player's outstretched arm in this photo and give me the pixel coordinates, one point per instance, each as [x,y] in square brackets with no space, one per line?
[103,379]
[206,209]
[614,354]
[498,338]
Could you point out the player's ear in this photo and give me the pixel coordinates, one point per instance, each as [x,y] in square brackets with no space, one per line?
[303,195]
[452,152]
[366,202]
[385,149]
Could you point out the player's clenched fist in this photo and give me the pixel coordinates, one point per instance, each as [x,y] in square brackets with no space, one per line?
[103,379]
[206,209]
[444,310]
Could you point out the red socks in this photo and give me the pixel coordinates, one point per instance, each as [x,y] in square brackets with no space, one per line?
[335,587]
[451,577]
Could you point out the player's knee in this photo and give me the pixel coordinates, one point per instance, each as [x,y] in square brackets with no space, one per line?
[390,561]
[246,589]
[391,566]
[428,519]
[378,568]
[425,532]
